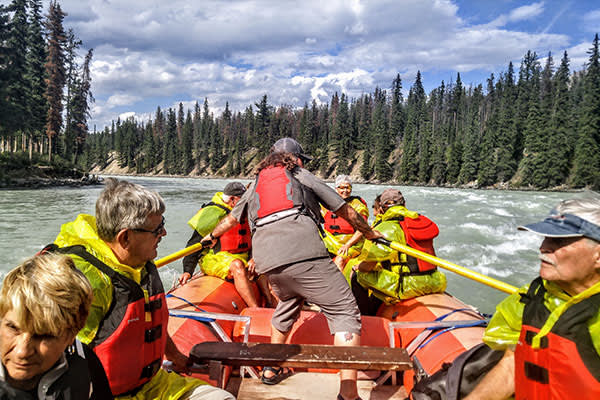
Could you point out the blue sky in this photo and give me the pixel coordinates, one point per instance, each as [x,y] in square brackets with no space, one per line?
[150,53]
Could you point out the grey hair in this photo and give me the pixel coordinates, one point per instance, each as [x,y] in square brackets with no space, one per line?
[587,208]
[125,205]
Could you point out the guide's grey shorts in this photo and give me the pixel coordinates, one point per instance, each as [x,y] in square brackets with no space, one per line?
[319,282]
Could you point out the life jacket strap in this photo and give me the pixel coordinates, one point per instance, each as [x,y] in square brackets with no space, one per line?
[276,216]
[151,369]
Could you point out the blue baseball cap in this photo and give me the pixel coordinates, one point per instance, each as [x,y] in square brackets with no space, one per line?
[563,226]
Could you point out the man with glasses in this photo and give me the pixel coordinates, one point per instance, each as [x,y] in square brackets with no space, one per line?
[127,324]
[550,329]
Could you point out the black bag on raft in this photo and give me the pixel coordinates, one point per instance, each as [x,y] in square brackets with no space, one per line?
[456,380]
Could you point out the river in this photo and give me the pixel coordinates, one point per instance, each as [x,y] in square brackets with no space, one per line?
[478,228]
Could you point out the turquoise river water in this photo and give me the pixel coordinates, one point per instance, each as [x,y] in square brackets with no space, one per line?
[478,228]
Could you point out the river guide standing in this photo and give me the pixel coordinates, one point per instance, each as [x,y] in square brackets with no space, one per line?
[43,304]
[550,329]
[283,209]
[127,325]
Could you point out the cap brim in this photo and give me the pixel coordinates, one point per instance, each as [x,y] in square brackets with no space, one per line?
[306,157]
[549,229]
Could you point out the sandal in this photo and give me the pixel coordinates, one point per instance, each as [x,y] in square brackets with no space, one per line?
[279,374]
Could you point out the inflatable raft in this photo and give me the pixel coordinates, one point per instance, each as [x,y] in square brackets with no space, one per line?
[434,329]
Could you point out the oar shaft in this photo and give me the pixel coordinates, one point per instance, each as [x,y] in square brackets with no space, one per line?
[178,254]
[467,273]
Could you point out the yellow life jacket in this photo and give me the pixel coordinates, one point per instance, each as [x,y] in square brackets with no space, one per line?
[205,220]
[392,279]
[214,262]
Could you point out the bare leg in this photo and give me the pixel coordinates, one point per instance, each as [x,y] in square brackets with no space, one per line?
[277,337]
[242,283]
[348,388]
[265,288]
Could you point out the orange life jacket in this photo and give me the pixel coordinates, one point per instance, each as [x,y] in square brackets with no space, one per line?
[566,366]
[338,225]
[236,240]
[129,345]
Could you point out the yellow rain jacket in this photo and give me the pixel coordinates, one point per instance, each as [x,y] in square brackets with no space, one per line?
[82,231]
[391,279]
[206,219]
[505,326]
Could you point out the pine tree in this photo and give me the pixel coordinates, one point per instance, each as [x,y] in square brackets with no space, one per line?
[80,106]
[397,111]
[170,143]
[55,68]
[37,106]
[506,135]
[343,144]
[72,81]
[187,160]
[17,86]
[205,132]
[261,127]
[415,116]
[586,160]
[560,138]
[470,155]
[383,169]
[5,105]
[487,167]
[533,144]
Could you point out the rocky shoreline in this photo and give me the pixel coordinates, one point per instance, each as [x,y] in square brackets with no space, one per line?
[36,177]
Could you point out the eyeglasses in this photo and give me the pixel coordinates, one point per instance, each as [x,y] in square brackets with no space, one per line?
[345,187]
[159,229]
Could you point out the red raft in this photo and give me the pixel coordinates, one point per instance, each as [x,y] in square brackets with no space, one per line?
[421,325]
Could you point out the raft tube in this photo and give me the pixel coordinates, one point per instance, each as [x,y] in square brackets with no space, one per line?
[434,347]
[310,328]
[205,293]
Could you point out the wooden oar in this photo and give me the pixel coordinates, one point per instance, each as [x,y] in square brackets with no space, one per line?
[178,254]
[467,273]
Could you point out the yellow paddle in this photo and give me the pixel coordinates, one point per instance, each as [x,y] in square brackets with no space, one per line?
[467,273]
[178,254]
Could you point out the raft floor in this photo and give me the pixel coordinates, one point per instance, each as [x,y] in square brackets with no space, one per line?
[311,385]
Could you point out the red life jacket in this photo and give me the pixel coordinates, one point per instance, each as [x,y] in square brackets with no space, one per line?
[130,348]
[236,240]
[566,366]
[278,194]
[419,233]
[338,225]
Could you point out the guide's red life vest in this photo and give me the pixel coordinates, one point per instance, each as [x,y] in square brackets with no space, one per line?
[276,190]
[237,239]
[129,343]
[337,225]
[566,366]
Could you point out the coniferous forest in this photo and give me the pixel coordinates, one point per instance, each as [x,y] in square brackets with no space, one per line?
[535,125]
